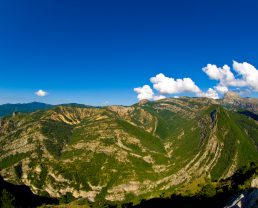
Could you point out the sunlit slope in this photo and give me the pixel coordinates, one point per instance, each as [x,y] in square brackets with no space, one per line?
[117,152]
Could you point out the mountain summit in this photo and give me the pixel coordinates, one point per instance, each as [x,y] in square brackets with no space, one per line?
[231,97]
[233,100]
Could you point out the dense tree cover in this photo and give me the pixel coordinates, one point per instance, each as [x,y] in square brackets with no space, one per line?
[58,135]
[68,197]
[12,159]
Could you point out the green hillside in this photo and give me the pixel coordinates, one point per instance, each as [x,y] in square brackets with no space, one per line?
[120,154]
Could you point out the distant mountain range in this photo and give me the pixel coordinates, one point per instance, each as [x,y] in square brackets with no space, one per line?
[9,109]
[123,154]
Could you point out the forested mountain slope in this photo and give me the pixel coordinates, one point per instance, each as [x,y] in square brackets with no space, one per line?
[123,153]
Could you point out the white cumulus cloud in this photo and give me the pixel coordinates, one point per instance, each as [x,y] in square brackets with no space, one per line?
[247,76]
[41,93]
[211,93]
[167,85]
[248,73]
[159,97]
[221,89]
[243,77]
[219,73]
[145,92]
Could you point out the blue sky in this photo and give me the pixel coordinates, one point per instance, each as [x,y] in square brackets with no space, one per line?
[97,51]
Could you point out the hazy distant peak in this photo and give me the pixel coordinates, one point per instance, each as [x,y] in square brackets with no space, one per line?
[230,95]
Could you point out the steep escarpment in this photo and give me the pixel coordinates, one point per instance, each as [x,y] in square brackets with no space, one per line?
[120,153]
[234,101]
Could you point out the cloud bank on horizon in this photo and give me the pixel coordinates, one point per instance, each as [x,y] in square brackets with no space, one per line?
[244,76]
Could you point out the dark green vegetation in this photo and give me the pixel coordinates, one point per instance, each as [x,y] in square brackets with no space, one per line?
[214,194]
[13,159]
[119,154]
[58,134]
[8,109]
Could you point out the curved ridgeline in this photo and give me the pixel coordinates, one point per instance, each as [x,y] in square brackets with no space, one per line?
[123,154]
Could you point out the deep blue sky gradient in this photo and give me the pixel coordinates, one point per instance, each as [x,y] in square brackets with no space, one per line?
[96,51]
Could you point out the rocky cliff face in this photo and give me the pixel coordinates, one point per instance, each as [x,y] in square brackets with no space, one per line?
[232,99]
[116,152]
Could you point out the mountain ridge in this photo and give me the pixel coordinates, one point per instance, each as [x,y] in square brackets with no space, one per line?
[123,153]
[230,98]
